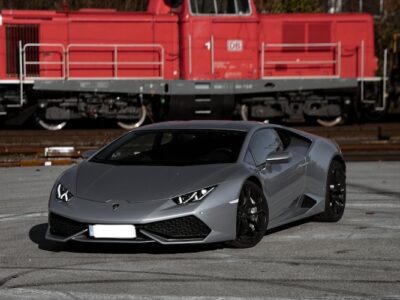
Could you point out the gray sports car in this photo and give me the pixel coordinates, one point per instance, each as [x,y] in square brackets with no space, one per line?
[198,182]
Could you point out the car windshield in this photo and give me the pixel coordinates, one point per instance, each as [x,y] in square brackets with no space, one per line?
[174,147]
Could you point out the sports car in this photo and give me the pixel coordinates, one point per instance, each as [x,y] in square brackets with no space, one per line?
[195,182]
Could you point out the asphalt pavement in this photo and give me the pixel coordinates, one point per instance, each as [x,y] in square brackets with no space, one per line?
[357,258]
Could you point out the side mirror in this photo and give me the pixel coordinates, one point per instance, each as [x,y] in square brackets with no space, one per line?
[278,157]
[88,154]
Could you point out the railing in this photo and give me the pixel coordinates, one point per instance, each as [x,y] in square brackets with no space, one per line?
[362,79]
[70,68]
[57,48]
[333,49]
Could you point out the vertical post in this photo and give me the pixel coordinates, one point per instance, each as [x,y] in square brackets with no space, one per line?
[21,75]
[262,60]
[162,62]
[339,6]
[23,61]
[115,61]
[339,63]
[236,6]
[190,54]
[212,55]
[65,64]
[215,6]
[362,92]
[385,67]
[360,5]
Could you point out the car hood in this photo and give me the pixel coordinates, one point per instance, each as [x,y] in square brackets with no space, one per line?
[135,184]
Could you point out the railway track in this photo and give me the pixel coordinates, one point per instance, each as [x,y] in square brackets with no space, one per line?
[37,147]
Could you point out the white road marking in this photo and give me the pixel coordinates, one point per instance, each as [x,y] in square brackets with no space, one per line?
[24,216]
[33,294]
[6,215]
[374,205]
[307,236]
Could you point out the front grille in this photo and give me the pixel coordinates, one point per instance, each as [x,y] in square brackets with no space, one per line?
[180,228]
[64,227]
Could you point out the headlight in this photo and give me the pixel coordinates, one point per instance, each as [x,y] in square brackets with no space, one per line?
[62,193]
[193,196]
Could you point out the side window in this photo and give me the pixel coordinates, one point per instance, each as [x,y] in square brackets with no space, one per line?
[226,7]
[293,142]
[285,137]
[262,143]
[221,7]
[166,138]
[203,6]
[243,7]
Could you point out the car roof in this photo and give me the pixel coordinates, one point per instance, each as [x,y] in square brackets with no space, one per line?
[222,125]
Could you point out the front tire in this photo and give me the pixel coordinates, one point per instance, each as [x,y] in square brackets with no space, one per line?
[252,216]
[335,200]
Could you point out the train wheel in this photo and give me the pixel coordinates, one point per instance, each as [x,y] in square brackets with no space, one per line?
[244,112]
[51,125]
[330,122]
[374,116]
[135,123]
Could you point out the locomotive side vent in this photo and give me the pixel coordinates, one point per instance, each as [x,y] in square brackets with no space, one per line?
[26,33]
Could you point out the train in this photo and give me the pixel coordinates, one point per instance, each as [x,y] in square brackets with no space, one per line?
[188,59]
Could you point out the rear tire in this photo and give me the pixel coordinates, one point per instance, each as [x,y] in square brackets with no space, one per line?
[252,216]
[335,200]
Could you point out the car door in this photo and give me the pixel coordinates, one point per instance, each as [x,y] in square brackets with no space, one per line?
[283,182]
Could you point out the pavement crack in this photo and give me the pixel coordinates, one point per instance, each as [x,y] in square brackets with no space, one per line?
[8,278]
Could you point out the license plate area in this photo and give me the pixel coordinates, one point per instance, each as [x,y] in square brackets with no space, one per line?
[100,231]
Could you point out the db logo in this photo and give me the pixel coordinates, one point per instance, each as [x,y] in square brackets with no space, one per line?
[235,45]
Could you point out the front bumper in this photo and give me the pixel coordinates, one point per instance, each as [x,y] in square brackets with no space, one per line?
[182,230]
[208,221]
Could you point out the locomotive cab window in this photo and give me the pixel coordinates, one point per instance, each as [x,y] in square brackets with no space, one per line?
[220,7]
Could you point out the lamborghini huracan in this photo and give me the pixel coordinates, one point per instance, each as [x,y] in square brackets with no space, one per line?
[198,182]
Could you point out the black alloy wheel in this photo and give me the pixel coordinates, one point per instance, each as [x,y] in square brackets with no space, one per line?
[335,193]
[252,216]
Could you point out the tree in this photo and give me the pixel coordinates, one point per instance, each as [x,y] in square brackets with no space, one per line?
[289,6]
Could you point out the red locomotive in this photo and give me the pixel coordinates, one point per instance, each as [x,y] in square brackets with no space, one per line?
[186,59]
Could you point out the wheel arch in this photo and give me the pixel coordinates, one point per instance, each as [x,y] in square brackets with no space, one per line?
[339,158]
[255,180]
[321,155]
